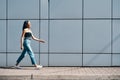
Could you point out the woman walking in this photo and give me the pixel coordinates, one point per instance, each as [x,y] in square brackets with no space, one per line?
[25,45]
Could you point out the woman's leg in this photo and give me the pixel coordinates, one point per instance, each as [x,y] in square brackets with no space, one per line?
[32,57]
[31,54]
[21,57]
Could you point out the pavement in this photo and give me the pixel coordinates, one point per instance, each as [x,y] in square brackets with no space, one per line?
[60,73]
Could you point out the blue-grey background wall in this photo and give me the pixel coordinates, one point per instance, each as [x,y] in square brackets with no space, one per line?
[77,32]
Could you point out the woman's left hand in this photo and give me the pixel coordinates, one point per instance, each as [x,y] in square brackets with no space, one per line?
[43,41]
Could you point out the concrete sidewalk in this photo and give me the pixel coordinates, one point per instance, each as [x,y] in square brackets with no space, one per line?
[61,73]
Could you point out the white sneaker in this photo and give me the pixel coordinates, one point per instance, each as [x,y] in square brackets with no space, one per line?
[39,67]
[17,67]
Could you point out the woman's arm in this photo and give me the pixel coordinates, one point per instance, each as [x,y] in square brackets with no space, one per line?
[40,40]
[21,40]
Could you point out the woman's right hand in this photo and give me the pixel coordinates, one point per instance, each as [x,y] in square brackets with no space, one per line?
[21,47]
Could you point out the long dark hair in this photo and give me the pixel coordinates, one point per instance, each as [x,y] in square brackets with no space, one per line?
[25,25]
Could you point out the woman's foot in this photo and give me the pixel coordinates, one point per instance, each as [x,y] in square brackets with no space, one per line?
[17,67]
[39,66]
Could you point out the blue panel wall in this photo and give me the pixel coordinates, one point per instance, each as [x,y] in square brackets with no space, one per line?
[77,32]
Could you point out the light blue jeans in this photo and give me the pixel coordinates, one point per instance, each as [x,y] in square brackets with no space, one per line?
[28,49]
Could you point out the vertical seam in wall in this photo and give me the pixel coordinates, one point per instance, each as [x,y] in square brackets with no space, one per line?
[82,28]
[6,32]
[39,26]
[111,32]
[48,31]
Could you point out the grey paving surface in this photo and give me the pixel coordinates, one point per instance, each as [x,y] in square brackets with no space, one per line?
[61,73]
